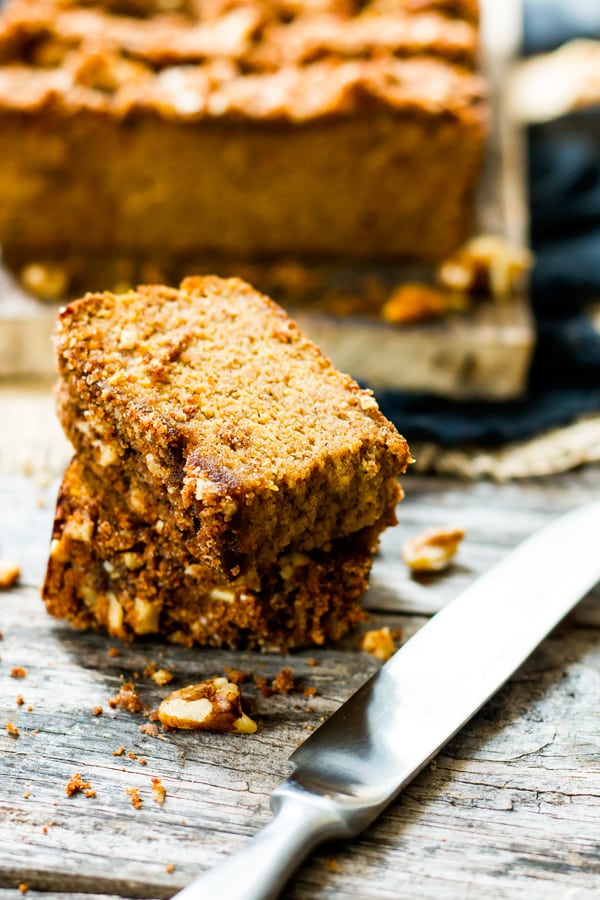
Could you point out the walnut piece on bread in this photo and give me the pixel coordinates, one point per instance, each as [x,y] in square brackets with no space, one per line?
[211,705]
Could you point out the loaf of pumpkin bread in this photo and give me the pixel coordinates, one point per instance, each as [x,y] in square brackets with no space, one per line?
[238,130]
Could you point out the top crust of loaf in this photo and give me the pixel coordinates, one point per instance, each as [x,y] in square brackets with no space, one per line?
[241,59]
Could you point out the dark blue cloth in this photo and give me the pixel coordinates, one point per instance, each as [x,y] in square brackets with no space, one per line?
[564,180]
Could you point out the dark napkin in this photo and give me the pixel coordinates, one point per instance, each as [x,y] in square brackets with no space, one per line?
[564,198]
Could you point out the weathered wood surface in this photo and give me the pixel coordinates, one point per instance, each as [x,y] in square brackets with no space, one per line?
[510,808]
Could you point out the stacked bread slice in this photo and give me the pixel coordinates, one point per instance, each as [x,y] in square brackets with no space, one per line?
[229,484]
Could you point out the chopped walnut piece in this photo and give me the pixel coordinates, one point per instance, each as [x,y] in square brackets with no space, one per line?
[127,698]
[135,798]
[432,550]
[415,302]
[378,643]
[18,672]
[210,705]
[283,683]
[162,677]
[76,784]
[158,791]
[9,574]
[487,264]
[48,281]
[12,729]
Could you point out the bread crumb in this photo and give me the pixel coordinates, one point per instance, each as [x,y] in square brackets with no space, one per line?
[127,698]
[26,795]
[97,711]
[309,691]
[12,729]
[136,800]
[19,701]
[142,761]
[76,784]
[119,752]
[23,888]
[236,676]
[378,643]
[158,791]
[114,651]
[30,709]
[312,661]
[283,683]
[150,729]
[9,574]
[18,672]
[170,868]
[132,755]
[90,794]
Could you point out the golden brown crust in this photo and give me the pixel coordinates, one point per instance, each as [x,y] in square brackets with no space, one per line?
[244,62]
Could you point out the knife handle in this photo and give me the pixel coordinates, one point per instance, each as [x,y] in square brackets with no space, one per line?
[261,868]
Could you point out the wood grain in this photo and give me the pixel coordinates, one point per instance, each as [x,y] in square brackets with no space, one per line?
[510,808]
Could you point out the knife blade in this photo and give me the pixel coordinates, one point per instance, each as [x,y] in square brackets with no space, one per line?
[354,764]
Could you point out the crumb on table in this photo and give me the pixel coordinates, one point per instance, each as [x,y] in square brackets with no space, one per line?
[283,683]
[127,699]
[134,796]
[76,784]
[379,643]
[18,672]
[158,791]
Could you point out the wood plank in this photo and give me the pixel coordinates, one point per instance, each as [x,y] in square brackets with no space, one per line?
[510,808]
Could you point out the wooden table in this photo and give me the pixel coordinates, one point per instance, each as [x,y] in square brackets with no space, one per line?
[510,808]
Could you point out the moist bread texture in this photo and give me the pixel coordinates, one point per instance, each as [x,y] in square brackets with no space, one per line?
[229,485]
[213,394]
[110,570]
[238,130]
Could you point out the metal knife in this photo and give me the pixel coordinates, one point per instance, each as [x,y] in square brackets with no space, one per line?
[351,767]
